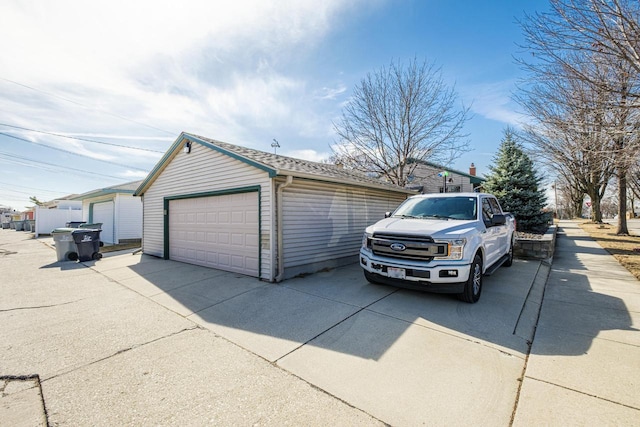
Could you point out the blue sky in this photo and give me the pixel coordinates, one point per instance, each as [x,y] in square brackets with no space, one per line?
[117,81]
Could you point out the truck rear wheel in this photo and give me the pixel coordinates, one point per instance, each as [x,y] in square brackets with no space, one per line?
[509,261]
[473,285]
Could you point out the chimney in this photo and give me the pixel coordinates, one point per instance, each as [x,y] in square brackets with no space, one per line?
[472,170]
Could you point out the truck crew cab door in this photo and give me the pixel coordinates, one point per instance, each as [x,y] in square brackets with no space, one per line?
[495,234]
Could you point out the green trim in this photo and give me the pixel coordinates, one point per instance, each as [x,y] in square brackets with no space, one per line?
[178,145]
[103,192]
[95,203]
[239,190]
[272,172]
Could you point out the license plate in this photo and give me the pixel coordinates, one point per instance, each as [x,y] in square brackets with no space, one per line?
[396,273]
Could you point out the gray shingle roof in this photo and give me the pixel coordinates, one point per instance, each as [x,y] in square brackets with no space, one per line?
[284,165]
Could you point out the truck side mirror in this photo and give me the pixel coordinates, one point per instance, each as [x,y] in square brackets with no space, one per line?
[498,219]
[387,214]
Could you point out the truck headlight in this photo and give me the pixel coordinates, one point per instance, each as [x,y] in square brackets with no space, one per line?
[456,248]
[366,240]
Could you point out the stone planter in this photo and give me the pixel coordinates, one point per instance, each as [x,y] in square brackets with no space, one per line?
[536,248]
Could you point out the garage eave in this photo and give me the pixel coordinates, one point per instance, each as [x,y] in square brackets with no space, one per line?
[338,180]
[175,149]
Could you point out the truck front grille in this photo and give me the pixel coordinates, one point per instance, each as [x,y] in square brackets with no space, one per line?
[407,247]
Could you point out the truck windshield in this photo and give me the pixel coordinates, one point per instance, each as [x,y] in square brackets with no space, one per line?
[461,208]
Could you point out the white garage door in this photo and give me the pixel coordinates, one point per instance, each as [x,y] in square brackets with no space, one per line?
[217,231]
[103,212]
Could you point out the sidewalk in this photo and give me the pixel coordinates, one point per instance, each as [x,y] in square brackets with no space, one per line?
[584,366]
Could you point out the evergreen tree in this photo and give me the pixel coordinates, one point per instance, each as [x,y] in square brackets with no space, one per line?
[514,181]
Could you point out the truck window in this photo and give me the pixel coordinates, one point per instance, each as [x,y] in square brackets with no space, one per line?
[487,212]
[495,206]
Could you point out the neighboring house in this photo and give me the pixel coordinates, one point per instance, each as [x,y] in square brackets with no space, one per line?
[237,209]
[115,207]
[431,178]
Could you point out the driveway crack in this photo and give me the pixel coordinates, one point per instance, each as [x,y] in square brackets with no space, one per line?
[333,326]
[122,351]
[36,307]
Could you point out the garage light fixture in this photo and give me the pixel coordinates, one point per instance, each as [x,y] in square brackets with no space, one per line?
[187,147]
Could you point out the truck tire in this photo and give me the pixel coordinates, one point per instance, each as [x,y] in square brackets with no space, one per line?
[473,285]
[509,261]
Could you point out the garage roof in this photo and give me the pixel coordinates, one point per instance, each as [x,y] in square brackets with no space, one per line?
[126,188]
[273,164]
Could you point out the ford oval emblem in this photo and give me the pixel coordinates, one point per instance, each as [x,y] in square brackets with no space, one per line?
[398,247]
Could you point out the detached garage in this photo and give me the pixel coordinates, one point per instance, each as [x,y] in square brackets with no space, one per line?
[115,207]
[251,212]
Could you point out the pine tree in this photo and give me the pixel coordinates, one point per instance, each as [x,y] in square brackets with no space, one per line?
[514,181]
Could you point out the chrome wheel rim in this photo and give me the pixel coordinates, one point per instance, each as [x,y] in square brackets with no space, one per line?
[477,279]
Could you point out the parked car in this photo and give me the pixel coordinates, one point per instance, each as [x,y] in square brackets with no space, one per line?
[440,243]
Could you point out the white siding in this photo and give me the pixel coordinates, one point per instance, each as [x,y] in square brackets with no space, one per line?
[128,217]
[201,171]
[324,222]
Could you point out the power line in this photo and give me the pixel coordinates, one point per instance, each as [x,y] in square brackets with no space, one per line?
[4,191]
[71,152]
[63,168]
[28,188]
[86,106]
[82,139]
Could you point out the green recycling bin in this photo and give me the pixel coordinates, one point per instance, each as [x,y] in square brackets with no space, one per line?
[66,249]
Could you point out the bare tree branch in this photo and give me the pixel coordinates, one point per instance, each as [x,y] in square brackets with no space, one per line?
[397,115]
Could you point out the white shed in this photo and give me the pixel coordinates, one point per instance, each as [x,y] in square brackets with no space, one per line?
[117,209]
[237,209]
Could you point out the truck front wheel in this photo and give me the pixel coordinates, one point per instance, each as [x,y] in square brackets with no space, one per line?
[370,278]
[473,285]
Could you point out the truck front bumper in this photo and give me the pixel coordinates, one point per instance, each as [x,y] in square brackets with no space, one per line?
[443,278]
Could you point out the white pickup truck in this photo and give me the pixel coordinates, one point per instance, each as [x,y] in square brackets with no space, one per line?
[439,243]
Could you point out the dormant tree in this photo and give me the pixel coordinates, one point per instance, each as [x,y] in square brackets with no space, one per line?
[397,115]
[595,45]
[568,131]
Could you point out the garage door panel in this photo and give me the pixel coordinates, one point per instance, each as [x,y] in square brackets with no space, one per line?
[103,212]
[217,231]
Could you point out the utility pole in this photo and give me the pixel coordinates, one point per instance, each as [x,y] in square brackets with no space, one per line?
[275,145]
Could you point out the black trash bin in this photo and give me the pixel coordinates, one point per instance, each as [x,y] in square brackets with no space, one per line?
[88,242]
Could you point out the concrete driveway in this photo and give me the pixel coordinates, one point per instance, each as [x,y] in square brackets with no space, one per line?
[208,346]
[380,349]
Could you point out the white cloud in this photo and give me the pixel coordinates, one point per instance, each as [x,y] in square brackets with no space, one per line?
[214,67]
[493,101]
[307,154]
[331,93]
[134,174]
